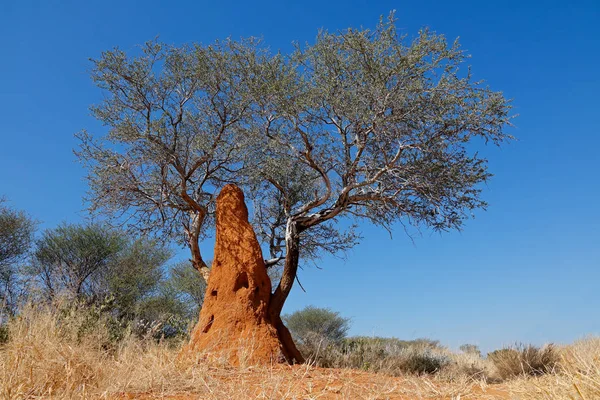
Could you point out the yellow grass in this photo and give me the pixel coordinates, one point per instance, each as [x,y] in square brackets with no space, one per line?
[46,358]
[578,376]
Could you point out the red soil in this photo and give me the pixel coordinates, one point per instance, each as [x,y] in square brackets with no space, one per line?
[303,382]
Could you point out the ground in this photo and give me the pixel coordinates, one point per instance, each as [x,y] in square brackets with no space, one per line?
[306,382]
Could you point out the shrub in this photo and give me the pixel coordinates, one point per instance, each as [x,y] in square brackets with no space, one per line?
[3,334]
[524,360]
[390,356]
[470,349]
[313,323]
[316,329]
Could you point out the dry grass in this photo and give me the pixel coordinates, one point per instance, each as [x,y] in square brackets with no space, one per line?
[49,357]
[525,360]
[577,376]
[399,358]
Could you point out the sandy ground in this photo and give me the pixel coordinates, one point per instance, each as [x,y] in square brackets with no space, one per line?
[303,382]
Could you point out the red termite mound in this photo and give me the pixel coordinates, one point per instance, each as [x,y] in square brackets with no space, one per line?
[235,323]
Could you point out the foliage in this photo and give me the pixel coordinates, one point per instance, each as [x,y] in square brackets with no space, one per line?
[363,124]
[321,337]
[136,274]
[80,320]
[45,359]
[118,279]
[187,286]
[576,377]
[16,236]
[525,360]
[315,325]
[470,349]
[369,125]
[74,260]
[387,355]
[174,116]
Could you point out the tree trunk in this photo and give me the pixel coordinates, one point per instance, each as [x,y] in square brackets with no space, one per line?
[292,242]
[240,319]
[290,351]
[194,245]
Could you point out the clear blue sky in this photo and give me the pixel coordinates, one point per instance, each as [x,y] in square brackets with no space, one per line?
[525,270]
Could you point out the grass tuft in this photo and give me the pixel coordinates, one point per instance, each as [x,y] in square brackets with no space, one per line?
[525,360]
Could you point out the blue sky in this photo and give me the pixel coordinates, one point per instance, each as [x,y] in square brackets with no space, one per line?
[526,270]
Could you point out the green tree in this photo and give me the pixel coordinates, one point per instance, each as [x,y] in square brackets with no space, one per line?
[174,116]
[313,323]
[135,275]
[368,125]
[93,262]
[16,236]
[175,304]
[73,259]
[364,125]
[187,286]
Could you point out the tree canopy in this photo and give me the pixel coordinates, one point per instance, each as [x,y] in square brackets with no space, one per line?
[16,235]
[317,324]
[374,126]
[174,116]
[93,261]
[362,124]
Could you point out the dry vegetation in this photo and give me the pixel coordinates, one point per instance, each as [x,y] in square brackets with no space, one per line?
[51,357]
[577,375]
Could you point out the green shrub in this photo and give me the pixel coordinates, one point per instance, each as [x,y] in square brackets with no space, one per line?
[320,324]
[524,360]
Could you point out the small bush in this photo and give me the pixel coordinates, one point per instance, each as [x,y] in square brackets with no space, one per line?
[470,349]
[3,334]
[424,362]
[320,324]
[390,356]
[525,360]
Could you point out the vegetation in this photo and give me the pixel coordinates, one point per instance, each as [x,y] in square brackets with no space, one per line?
[363,125]
[313,324]
[377,132]
[105,276]
[321,337]
[50,356]
[175,116]
[470,349]
[387,355]
[16,235]
[524,360]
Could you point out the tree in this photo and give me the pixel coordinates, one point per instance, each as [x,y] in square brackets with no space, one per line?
[322,323]
[16,236]
[176,303]
[362,125]
[187,287]
[73,259]
[174,116]
[93,262]
[367,125]
[135,275]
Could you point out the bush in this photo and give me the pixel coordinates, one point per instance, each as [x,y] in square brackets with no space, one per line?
[525,360]
[3,334]
[321,337]
[470,349]
[314,322]
[390,356]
